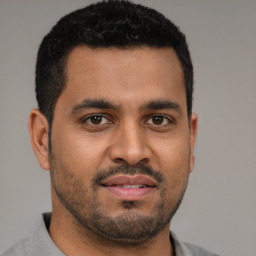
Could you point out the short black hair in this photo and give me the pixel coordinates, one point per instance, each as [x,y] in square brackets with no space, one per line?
[112,23]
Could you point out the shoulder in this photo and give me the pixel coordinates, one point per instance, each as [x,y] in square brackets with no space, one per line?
[22,249]
[38,242]
[195,250]
[187,249]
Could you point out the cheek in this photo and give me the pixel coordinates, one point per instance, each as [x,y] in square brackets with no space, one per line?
[173,159]
[172,150]
[78,152]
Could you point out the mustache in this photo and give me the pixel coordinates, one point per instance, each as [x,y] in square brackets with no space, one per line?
[127,169]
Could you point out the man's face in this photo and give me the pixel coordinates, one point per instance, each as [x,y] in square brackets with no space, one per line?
[121,142]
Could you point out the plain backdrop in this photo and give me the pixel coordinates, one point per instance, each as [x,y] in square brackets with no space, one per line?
[219,209]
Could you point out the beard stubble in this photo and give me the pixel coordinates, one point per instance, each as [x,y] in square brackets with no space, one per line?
[130,227]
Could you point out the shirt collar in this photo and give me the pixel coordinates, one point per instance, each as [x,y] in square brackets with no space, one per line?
[179,247]
[41,242]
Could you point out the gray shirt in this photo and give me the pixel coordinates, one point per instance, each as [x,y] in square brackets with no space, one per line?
[39,243]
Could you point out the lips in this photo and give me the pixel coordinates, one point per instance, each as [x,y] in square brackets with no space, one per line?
[130,187]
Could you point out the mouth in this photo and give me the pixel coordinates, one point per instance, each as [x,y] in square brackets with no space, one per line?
[130,187]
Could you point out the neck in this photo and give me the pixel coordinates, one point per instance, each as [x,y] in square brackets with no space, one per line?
[71,239]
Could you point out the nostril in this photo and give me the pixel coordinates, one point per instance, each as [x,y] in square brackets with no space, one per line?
[144,161]
[123,161]
[131,152]
[120,161]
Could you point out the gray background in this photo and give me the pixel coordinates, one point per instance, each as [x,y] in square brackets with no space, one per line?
[219,208]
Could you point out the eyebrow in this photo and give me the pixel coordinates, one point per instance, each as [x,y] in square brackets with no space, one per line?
[162,104]
[104,104]
[89,103]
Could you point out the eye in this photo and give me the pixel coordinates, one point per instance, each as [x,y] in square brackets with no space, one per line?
[96,120]
[158,120]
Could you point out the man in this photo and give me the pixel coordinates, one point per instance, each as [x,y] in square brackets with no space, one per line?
[115,127]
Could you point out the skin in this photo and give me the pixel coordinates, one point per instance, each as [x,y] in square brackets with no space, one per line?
[127,134]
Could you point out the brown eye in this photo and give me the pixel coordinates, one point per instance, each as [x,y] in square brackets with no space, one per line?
[96,120]
[157,120]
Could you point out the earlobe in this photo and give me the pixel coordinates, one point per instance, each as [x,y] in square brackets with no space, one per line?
[38,129]
[193,135]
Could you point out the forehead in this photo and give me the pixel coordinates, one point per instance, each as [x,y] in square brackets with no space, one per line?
[121,74]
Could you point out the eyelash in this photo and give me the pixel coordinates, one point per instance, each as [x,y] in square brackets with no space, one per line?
[166,121]
[85,120]
[165,118]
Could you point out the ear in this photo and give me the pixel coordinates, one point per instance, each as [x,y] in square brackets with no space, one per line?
[193,134]
[38,129]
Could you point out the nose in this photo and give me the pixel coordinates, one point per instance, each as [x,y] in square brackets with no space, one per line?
[130,146]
